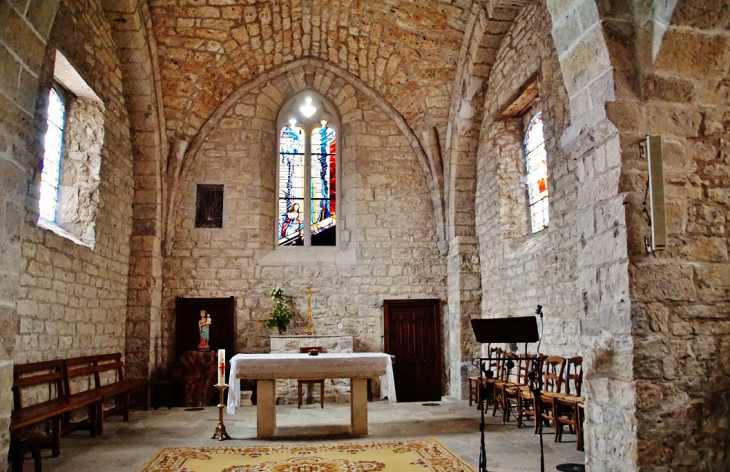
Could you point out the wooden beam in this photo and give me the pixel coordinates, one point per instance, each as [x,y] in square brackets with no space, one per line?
[523,100]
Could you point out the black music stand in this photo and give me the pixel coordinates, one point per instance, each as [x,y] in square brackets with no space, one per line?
[521,329]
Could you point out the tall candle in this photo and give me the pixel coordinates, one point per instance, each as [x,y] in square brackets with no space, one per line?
[221,366]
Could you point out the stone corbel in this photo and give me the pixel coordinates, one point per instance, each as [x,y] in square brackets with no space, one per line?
[174,167]
[432,148]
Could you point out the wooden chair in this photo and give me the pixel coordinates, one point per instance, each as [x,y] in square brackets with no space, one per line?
[525,397]
[310,382]
[511,394]
[567,406]
[475,390]
[504,379]
[552,388]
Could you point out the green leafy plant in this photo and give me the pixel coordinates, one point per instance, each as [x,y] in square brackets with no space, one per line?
[280,316]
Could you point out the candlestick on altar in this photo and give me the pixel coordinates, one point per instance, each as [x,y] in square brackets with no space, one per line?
[310,327]
[220,430]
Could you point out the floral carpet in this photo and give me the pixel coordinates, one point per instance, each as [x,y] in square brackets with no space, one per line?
[395,456]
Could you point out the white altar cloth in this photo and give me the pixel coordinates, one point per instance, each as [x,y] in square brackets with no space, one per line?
[304,367]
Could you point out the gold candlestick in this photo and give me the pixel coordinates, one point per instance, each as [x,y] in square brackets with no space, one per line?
[220,430]
[310,327]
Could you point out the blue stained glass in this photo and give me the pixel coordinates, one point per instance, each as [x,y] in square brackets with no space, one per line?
[291,186]
[537,178]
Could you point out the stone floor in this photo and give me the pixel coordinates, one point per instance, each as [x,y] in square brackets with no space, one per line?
[128,446]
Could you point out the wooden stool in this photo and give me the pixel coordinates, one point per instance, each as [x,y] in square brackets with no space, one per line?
[302,350]
[20,445]
[310,383]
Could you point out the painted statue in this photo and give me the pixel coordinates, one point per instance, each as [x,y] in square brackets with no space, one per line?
[204,328]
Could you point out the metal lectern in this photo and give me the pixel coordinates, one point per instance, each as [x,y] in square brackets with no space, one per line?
[522,329]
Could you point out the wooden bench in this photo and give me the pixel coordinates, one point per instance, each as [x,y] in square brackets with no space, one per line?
[118,388]
[51,375]
[104,380]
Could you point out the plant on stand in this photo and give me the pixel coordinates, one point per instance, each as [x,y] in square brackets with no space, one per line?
[280,316]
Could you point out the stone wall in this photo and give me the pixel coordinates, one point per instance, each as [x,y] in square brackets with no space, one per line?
[24,30]
[78,195]
[521,270]
[680,296]
[577,268]
[72,299]
[387,240]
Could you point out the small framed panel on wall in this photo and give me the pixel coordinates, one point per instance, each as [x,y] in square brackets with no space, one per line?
[222,332]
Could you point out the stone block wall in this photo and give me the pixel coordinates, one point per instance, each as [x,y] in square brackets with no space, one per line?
[24,30]
[78,193]
[521,270]
[680,296]
[72,299]
[387,239]
[577,268]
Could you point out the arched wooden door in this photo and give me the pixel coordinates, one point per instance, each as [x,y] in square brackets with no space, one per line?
[413,336]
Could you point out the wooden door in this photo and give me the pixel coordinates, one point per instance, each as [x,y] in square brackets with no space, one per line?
[413,336]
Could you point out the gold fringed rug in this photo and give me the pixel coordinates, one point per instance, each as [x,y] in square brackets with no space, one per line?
[419,455]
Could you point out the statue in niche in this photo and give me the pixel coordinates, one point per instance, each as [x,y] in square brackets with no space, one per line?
[204,327]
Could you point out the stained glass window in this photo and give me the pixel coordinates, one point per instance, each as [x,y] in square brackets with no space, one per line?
[291,186]
[51,174]
[307,186]
[537,178]
[323,188]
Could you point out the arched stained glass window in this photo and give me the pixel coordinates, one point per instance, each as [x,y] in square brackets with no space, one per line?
[307,184]
[537,178]
[51,174]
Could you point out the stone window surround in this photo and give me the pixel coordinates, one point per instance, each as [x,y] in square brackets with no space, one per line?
[72,87]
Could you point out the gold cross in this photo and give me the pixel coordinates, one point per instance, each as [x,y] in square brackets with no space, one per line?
[310,327]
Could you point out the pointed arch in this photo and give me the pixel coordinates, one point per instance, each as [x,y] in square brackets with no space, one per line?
[184,153]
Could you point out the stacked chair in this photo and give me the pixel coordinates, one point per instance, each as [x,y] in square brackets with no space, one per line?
[560,403]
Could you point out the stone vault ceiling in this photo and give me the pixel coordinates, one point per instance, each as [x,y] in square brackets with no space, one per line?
[405,50]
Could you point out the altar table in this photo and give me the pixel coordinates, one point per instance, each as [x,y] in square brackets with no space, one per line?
[266,368]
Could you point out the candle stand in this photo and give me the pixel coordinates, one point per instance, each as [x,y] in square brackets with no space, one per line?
[220,430]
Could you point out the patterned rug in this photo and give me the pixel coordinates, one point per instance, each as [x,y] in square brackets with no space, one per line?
[395,456]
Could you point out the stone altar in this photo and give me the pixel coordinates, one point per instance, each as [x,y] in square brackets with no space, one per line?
[267,368]
[335,390]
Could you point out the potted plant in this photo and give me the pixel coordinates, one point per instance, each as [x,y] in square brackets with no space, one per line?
[280,316]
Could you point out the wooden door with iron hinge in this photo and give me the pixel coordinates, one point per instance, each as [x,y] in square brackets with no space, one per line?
[413,336]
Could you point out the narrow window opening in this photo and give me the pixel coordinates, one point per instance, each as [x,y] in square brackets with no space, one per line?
[51,173]
[537,179]
[69,183]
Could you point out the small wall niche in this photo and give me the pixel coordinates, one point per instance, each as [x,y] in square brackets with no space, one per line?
[209,206]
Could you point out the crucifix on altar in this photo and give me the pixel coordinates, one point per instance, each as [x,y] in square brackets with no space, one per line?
[309,292]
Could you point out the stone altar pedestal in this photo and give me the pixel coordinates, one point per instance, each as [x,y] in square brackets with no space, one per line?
[335,390]
[197,374]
